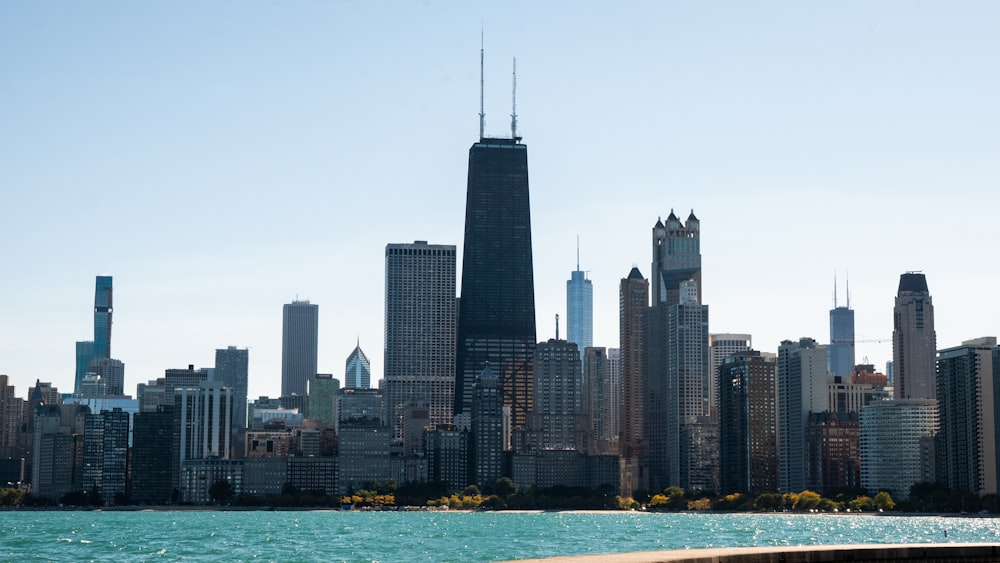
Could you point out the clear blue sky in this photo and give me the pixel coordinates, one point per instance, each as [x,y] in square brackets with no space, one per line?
[220,159]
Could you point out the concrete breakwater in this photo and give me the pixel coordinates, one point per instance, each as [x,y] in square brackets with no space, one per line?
[927,553]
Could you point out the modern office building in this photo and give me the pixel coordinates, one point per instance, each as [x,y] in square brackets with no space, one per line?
[748,416]
[897,445]
[833,454]
[688,390]
[84,355]
[111,372]
[496,313]
[633,303]
[557,419]
[323,389]
[579,308]
[914,341]
[202,425]
[486,435]
[153,468]
[299,346]
[232,369]
[720,347]
[802,389]
[676,257]
[599,395]
[103,310]
[841,351]
[447,451]
[419,330]
[178,378]
[357,370]
[105,455]
[967,393]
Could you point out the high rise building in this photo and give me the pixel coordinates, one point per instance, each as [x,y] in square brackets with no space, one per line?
[496,313]
[967,394]
[232,369]
[720,347]
[299,346]
[486,433]
[748,448]
[676,257]
[579,308]
[802,389]
[105,454]
[11,414]
[111,372]
[556,421]
[177,378]
[153,468]
[202,425]
[357,370]
[897,445]
[688,393]
[914,341]
[323,389]
[633,302]
[841,350]
[57,458]
[419,330]
[84,355]
[102,317]
[599,397]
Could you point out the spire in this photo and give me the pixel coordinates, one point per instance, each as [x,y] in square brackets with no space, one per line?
[577,253]
[835,289]
[513,108]
[482,112]
[848,290]
[557,326]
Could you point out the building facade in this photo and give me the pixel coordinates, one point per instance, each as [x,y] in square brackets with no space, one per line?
[914,341]
[897,445]
[688,389]
[232,369]
[299,346]
[748,416]
[496,313]
[580,309]
[557,421]
[802,389]
[357,370]
[676,257]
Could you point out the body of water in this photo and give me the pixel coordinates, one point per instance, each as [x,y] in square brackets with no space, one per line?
[441,536]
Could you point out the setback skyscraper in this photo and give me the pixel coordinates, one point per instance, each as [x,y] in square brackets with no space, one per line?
[579,309]
[496,314]
[419,330]
[299,346]
[914,341]
[676,257]
[841,350]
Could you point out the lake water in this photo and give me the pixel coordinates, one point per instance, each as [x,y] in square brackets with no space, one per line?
[440,536]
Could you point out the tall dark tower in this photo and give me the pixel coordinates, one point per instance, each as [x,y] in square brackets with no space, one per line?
[102,317]
[496,312]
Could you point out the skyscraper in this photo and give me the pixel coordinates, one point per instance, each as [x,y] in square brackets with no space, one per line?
[496,316]
[748,449]
[232,369]
[967,408]
[486,431]
[841,350]
[102,317]
[419,329]
[633,302]
[676,257]
[802,389]
[357,370]
[557,421]
[914,341]
[579,309]
[299,346]
[897,445]
[721,346]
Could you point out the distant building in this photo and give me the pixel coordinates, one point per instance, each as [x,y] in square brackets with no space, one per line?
[833,456]
[557,419]
[720,347]
[11,415]
[323,389]
[968,390]
[634,300]
[363,454]
[598,396]
[447,451]
[153,469]
[57,458]
[676,257]
[105,455]
[914,341]
[840,354]
[299,346]
[202,425]
[688,394]
[580,309]
[496,313]
[175,379]
[748,448]
[112,374]
[358,370]
[802,389]
[487,434]
[84,355]
[102,317]
[232,369]
[420,324]
[897,445]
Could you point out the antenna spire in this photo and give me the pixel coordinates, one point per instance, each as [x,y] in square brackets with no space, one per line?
[482,112]
[848,291]
[557,326]
[513,110]
[835,289]
[577,253]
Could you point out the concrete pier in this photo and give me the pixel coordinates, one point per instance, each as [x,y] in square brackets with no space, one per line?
[926,552]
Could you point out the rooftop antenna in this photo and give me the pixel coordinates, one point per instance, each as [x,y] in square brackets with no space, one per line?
[848,276]
[577,253]
[835,289]
[557,326]
[513,110]
[482,112]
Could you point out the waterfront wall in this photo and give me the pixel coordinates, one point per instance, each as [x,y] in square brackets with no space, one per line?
[928,553]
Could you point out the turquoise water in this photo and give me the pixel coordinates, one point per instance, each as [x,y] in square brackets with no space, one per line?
[427,536]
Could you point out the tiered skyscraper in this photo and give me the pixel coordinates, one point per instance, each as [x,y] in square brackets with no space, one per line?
[419,330]
[299,346]
[357,370]
[914,341]
[676,257]
[580,309]
[496,314]
[100,347]
[841,350]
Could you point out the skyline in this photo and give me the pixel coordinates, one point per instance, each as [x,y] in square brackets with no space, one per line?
[807,139]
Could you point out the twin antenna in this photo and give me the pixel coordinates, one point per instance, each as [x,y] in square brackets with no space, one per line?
[482,109]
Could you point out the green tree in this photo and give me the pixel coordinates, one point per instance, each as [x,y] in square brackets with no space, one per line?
[220,492]
[806,500]
[470,491]
[506,487]
[883,501]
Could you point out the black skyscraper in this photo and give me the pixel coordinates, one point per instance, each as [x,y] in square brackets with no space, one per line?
[496,317]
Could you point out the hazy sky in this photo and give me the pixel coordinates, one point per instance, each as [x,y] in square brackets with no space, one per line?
[221,158]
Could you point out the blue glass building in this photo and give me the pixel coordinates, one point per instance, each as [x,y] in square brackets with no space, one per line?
[102,317]
[358,370]
[580,310]
[840,354]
